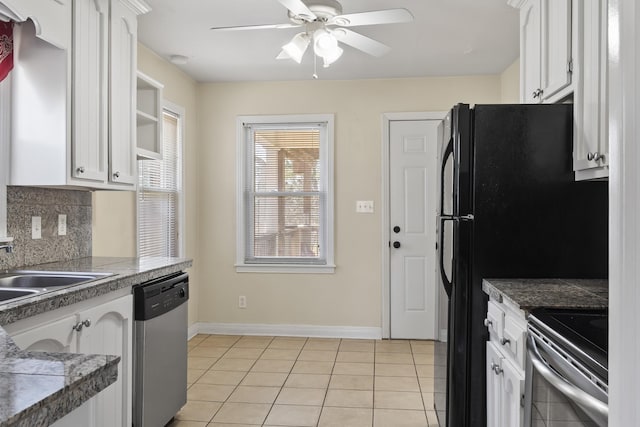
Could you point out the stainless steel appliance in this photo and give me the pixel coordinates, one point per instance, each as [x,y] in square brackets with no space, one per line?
[509,207]
[160,350]
[567,370]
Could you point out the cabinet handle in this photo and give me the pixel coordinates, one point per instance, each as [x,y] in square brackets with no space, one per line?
[84,324]
[80,169]
[116,174]
[488,323]
[496,368]
[537,93]
[504,341]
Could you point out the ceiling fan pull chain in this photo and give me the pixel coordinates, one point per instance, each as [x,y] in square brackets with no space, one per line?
[315,66]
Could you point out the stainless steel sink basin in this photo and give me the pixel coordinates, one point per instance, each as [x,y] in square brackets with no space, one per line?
[23,283]
[45,279]
[8,294]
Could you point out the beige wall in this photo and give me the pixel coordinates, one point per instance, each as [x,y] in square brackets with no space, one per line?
[351,296]
[114,213]
[510,84]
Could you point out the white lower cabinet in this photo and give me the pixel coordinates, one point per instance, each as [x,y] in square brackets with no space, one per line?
[105,328]
[505,366]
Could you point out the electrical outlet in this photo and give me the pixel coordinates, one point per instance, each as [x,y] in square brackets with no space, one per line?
[62,225]
[242,301]
[36,227]
[364,206]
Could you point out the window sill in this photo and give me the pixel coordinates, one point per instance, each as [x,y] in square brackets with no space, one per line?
[285,268]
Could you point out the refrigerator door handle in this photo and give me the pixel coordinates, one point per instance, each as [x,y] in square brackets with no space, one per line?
[448,284]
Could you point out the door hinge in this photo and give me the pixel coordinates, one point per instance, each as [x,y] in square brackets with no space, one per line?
[570,66]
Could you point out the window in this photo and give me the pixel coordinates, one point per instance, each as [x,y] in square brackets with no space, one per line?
[285,193]
[160,193]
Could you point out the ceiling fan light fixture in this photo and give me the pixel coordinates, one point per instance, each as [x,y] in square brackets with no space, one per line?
[297,47]
[333,57]
[324,43]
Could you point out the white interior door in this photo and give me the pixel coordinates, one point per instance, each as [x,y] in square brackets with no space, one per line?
[413,146]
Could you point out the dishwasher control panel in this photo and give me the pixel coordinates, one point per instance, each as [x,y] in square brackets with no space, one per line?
[154,298]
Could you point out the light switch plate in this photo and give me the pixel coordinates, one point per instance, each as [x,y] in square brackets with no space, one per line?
[36,227]
[364,206]
[62,225]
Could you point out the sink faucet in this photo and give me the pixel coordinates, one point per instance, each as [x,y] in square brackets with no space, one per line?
[8,247]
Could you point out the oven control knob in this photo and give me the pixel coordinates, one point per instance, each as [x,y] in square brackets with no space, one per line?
[182,293]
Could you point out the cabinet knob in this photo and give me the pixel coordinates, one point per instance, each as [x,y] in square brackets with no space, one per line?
[504,341]
[488,323]
[78,326]
[116,174]
[496,368]
[396,244]
[396,229]
[80,169]
[537,93]
[87,323]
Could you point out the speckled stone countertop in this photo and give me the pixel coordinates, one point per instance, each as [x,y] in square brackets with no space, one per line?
[37,388]
[528,294]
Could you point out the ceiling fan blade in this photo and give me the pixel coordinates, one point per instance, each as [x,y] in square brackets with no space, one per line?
[298,8]
[255,27]
[388,16]
[360,42]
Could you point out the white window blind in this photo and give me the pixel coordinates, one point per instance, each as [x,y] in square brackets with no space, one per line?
[159,193]
[285,193]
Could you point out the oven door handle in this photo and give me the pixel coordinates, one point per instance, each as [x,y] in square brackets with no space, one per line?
[582,398]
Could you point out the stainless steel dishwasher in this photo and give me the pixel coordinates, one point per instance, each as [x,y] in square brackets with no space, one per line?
[160,350]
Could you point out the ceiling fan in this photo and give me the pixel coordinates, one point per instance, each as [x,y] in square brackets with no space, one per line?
[323,24]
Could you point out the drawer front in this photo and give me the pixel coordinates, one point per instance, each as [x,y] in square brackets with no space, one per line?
[513,339]
[495,321]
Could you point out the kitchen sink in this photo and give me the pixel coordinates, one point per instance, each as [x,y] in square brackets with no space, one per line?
[45,279]
[7,294]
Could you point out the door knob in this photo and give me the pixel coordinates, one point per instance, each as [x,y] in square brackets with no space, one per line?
[396,229]
[396,244]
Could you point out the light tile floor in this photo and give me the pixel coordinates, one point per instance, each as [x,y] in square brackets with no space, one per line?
[298,382]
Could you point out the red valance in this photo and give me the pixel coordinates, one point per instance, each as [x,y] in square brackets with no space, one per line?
[6,48]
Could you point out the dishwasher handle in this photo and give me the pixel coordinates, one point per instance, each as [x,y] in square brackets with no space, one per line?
[595,406]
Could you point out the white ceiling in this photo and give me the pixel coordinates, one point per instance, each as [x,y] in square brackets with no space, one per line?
[447,38]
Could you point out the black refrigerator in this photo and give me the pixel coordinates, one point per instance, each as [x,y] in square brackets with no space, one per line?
[509,208]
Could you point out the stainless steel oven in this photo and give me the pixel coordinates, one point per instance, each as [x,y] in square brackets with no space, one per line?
[566,369]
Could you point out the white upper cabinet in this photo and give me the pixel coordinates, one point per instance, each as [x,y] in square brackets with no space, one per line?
[90,90]
[563,58]
[545,49]
[149,118]
[51,18]
[591,150]
[86,133]
[104,127]
[123,55]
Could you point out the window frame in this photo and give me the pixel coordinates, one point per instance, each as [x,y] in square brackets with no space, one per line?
[327,168]
[180,113]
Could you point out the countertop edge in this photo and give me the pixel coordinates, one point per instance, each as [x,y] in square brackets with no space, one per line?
[127,272]
[529,294]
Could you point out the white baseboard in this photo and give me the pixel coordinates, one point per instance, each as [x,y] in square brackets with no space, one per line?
[192,331]
[356,332]
[443,335]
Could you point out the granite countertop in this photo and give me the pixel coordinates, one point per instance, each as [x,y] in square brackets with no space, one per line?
[37,388]
[528,294]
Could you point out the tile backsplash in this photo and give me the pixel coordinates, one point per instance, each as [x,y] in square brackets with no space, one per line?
[26,202]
